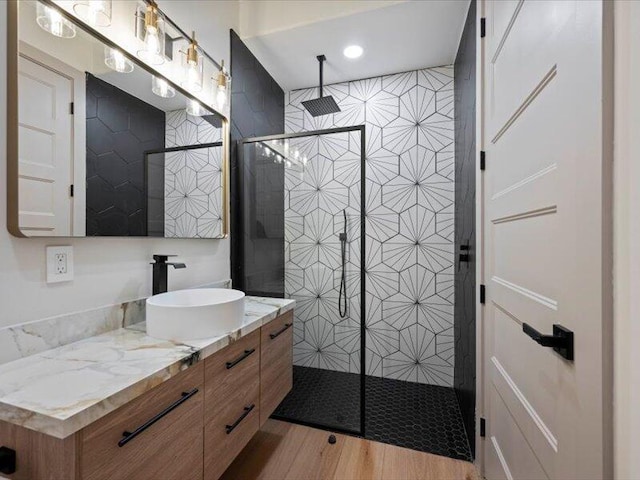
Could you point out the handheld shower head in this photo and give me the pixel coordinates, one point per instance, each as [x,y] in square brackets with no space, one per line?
[343,235]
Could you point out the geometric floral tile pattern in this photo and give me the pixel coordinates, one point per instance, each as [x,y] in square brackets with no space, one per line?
[193,178]
[409,213]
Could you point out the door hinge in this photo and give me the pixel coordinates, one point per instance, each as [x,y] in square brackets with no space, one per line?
[71,190]
[71,108]
[483,427]
[483,27]
[483,160]
[483,294]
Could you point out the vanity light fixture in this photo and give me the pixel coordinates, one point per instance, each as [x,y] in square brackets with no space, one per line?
[193,66]
[161,87]
[222,89]
[195,108]
[96,13]
[50,20]
[154,36]
[115,60]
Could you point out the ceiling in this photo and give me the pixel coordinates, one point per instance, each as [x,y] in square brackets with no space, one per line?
[399,37]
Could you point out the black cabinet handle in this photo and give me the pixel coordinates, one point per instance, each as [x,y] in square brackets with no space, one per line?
[282,330]
[247,411]
[233,363]
[128,436]
[561,341]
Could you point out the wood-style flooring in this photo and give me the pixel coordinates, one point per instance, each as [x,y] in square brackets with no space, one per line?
[285,451]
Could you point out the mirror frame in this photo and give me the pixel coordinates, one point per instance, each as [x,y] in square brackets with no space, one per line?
[13,189]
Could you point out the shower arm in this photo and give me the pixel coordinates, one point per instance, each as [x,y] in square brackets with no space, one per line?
[321,59]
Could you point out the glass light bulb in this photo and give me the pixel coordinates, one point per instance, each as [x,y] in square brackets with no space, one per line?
[115,60]
[193,81]
[161,87]
[96,7]
[151,41]
[94,12]
[50,20]
[221,96]
[56,23]
[195,109]
[152,51]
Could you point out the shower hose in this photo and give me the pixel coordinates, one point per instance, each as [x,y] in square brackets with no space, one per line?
[342,294]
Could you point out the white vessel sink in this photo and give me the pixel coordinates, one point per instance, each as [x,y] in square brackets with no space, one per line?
[193,314]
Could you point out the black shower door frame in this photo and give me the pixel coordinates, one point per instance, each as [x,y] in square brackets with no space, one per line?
[363,336]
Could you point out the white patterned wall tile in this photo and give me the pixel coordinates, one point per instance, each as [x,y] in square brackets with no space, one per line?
[409,221]
[193,178]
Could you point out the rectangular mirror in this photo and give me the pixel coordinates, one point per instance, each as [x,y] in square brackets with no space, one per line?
[104,147]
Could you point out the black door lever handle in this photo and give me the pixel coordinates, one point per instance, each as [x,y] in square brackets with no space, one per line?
[561,341]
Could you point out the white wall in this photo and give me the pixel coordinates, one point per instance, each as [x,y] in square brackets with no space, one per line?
[210,19]
[627,241]
[268,16]
[107,271]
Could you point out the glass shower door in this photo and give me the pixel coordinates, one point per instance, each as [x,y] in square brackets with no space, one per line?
[322,195]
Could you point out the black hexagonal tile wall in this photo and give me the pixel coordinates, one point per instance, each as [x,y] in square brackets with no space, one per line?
[116,203]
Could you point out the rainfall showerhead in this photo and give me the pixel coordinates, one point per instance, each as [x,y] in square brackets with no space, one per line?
[321,105]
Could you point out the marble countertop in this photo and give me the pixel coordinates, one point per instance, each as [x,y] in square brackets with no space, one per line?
[62,390]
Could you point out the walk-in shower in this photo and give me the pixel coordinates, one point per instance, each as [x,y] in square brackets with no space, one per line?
[303,200]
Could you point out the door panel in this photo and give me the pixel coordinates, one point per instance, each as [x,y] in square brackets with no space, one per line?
[45,136]
[545,220]
[512,456]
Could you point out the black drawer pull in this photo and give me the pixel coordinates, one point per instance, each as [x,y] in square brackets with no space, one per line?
[247,410]
[282,330]
[128,436]
[561,341]
[233,363]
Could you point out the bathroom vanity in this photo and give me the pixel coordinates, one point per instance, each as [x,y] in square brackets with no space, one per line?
[125,405]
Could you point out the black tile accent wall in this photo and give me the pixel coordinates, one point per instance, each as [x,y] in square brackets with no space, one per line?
[120,128]
[257,108]
[464,324]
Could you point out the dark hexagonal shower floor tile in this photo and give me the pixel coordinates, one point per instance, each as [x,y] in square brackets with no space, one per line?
[407,414]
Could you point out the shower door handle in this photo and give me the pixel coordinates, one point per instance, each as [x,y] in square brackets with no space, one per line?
[561,341]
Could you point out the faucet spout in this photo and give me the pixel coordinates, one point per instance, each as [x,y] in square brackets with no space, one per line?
[161,272]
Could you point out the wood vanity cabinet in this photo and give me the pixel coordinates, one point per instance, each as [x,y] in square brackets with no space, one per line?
[276,366]
[190,427]
[232,402]
[169,448]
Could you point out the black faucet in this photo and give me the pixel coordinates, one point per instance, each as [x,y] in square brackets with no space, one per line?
[160,272]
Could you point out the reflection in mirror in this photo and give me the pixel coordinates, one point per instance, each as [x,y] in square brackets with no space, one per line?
[105,147]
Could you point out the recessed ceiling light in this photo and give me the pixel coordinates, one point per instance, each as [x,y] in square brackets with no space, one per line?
[353,51]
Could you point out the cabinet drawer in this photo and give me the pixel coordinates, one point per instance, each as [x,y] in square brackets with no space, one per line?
[232,408]
[170,448]
[276,363]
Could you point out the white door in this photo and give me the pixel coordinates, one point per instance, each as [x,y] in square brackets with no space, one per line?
[546,237]
[45,138]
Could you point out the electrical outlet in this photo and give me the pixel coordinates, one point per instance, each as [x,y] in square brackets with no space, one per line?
[59,264]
